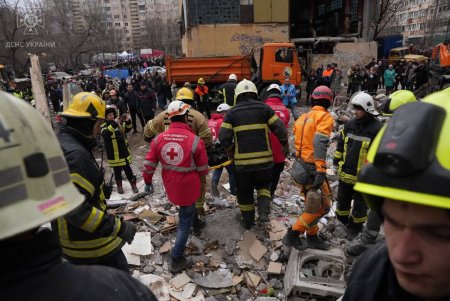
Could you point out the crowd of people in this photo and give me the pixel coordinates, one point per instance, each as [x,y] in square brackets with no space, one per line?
[392,170]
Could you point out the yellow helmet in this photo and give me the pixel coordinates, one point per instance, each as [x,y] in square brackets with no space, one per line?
[397,99]
[245,86]
[409,160]
[185,93]
[35,184]
[86,105]
[201,81]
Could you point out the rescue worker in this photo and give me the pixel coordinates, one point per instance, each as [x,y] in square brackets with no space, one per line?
[244,134]
[201,97]
[199,125]
[312,131]
[214,125]
[117,101]
[18,93]
[183,160]
[369,235]
[226,91]
[327,76]
[89,235]
[353,143]
[36,189]
[406,183]
[274,101]
[116,145]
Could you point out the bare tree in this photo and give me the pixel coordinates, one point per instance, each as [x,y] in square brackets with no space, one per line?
[386,15]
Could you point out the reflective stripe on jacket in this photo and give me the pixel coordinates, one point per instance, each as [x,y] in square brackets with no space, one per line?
[245,131]
[274,101]
[312,131]
[353,144]
[196,121]
[226,90]
[183,160]
[116,145]
[89,232]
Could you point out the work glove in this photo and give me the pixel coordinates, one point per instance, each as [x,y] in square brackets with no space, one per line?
[127,232]
[318,180]
[149,188]
[286,150]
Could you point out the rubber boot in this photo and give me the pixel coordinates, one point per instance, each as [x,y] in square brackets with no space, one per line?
[214,190]
[292,239]
[248,219]
[361,243]
[119,186]
[264,210]
[179,264]
[133,185]
[197,225]
[314,242]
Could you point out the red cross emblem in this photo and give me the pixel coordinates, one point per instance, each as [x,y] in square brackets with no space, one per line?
[172,154]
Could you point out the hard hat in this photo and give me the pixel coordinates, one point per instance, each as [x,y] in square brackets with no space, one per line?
[86,105]
[111,109]
[223,107]
[409,159]
[274,87]
[364,101]
[185,93]
[322,92]
[35,185]
[201,81]
[187,85]
[177,107]
[112,92]
[232,77]
[245,86]
[397,99]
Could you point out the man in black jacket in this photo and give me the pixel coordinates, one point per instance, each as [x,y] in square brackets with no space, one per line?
[226,91]
[406,183]
[35,189]
[147,101]
[131,98]
[244,135]
[89,235]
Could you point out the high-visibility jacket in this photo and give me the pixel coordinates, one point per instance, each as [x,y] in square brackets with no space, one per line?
[88,233]
[353,144]
[116,144]
[312,132]
[196,121]
[183,160]
[18,94]
[214,125]
[226,91]
[275,102]
[245,132]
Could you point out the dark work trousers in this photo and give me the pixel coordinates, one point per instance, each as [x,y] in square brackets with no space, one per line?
[353,218]
[276,172]
[373,221]
[133,114]
[126,168]
[247,182]
[117,261]
[149,116]
[203,106]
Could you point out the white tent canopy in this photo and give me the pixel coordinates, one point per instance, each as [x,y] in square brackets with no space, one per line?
[124,54]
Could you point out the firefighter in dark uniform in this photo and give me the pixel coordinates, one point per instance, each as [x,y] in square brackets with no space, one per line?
[226,91]
[244,134]
[35,189]
[116,145]
[199,125]
[351,151]
[89,235]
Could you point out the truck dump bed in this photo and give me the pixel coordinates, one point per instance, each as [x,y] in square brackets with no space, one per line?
[211,69]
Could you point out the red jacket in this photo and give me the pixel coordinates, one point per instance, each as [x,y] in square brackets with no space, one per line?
[282,112]
[214,125]
[183,160]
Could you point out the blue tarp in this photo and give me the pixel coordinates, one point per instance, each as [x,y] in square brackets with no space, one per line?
[119,73]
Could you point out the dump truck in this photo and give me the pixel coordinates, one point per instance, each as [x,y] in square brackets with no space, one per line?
[440,66]
[404,53]
[276,61]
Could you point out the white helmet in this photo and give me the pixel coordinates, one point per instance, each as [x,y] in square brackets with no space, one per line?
[365,101]
[245,86]
[232,77]
[35,186]
[274,87]
[177,107]
[223,107]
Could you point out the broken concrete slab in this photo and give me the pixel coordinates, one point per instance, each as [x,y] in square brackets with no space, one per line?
[275,255]
[237,280]
[179,281]
[141,244]
[217,279]
[132,259]
[158,285]
[257,250]
[274,268]
[165,247]
[251,279]
[243,257]
[150,216]
[189,290]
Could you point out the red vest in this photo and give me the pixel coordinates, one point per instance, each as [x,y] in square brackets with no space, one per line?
[283,113]
[214,125]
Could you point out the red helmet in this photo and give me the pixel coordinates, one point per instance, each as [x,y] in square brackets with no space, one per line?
[322,92]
